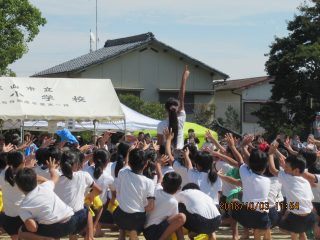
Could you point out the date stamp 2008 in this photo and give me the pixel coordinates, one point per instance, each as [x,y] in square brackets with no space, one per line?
[258,206]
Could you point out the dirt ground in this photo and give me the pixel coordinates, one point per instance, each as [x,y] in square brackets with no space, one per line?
[223,233]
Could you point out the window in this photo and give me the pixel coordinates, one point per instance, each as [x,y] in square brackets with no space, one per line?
[248,109]
[125,92]
[188,100]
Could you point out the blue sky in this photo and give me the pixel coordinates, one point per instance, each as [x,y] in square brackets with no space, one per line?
[231,36]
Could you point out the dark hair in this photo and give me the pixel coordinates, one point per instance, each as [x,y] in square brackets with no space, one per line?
[267,172]
[171,107]
[205,161]
[315,167]
[190,186]
[42,155]
[137,160]
[258,161]
[192,149]
[122,152]
[54,153]
[297,162]
[101,158]
[68,159]
[3,160]
[171,182]
[141,133]
[80,155]
[310,157]
[150,170]
[14,160]
[26,179]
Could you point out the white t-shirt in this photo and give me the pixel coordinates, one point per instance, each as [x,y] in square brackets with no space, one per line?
[72,191]
[45,172]
[255,187]
[133,191]
[182,170]
[198,202]
[44,206]
[201,179]
[297,189]
[275,195]
[165,206]
[11,197]
[181,120]
[166,169]
[226,167]
[105,182]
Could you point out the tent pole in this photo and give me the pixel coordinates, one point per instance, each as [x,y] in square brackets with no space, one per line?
[22,130]
[94,128]
[125,129]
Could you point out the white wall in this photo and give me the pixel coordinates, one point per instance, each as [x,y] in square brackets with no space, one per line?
[222,99]
[261,92]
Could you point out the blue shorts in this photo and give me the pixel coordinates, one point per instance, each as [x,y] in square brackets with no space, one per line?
[129,221]
[296,223]
[198,224]
[274,217]
[154,232]
[251,218]
[11,224]
[59,230]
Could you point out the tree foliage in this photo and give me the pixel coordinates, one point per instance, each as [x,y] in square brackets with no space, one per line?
[153,110]
[294,62]
[203,114]
[19,24]
[231,119]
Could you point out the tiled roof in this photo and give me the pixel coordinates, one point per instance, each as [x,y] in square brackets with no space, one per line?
[241,83]
[112,49]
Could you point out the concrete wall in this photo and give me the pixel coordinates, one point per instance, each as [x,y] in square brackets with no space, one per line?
[256,93]
[222,99]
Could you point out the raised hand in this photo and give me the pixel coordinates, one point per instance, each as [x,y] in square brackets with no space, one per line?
[273,148]
[46,142]
[155,146]
[168,134]
[186,72]
[8,148]
[52,164]
[30,161]
[145,145]
[247,140]
[230,140]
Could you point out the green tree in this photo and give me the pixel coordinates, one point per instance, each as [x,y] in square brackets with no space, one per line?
[203,114]
[231,120]
[294,62]
[19,24]
[153,110]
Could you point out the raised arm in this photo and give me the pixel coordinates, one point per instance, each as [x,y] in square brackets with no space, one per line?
[52,165]
[225,158]
[182,91]
[187,159]
[272,167]
[169,136]
[232,146]
[215,142]
[229,179]
[244,147]
[289,148]
[310,177]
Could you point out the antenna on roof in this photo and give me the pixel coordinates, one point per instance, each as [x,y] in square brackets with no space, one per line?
[96,24]
[92,40]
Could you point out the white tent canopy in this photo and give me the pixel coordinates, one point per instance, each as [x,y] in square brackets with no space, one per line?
[58,99]
[133,121]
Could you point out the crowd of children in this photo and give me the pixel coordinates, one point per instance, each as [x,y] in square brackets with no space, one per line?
[140,187]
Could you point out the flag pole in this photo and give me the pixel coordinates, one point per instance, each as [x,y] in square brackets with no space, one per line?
[96,24]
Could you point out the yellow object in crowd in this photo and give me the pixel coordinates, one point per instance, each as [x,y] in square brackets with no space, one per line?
[112,207]
[95,205]
[1,202]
